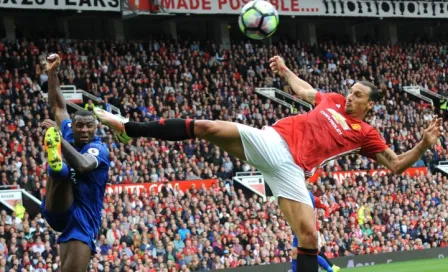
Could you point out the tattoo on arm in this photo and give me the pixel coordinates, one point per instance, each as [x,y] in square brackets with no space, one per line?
[311,97]
[387,156]
[421,150]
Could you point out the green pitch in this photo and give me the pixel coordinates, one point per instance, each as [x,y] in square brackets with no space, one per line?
[433,265]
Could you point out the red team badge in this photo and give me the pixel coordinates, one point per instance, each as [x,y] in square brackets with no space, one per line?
[356,126]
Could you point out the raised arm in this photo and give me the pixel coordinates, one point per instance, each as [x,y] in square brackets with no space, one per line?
[55,97]
[300,87]
[399,163]
[82,163]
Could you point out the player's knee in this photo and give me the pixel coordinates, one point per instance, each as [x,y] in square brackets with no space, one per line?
[76,264]
[73,267]
[308,238]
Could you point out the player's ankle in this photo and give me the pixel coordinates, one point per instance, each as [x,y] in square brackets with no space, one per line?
[62,173]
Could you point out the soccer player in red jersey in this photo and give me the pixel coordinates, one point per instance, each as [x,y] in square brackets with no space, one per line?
[293,148]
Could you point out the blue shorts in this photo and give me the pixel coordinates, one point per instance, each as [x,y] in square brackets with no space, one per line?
[71,225]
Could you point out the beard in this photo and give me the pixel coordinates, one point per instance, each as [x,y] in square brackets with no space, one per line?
[349,110]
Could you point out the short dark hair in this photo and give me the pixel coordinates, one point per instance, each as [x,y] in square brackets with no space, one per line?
[375,93]
[83,113]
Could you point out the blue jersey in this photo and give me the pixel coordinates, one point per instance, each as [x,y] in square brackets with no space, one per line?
[89,188]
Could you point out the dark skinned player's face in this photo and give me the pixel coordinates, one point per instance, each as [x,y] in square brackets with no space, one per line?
[84,128]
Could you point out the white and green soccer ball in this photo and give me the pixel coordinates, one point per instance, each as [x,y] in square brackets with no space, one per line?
[258,19]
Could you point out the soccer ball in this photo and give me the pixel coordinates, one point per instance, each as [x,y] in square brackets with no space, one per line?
[258,19]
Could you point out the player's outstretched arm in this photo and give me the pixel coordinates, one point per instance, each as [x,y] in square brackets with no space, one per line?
[399,163]
[81,163]
[57,102]
[300,87]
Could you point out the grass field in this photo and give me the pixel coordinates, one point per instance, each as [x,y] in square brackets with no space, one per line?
[433,265]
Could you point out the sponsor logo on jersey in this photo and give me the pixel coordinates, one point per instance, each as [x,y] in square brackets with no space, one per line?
[339,119]
[332,122]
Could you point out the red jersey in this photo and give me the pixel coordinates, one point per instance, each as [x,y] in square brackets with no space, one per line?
[326,133]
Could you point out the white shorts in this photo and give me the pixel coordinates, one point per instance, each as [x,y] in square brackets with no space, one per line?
[266,150]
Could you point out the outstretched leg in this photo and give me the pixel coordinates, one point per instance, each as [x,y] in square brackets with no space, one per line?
[227,135]
[304,226]
[323,263]
[334,267]
[57,206]
[221,133]
[75,256]
[323,256]
[59,192]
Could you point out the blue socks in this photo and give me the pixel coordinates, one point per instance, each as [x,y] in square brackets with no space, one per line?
[323,263]
[59,175]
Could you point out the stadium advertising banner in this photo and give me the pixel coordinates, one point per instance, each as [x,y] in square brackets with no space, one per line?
[139,188]
[84,5]
[340,8]
[359,260]
[10,197]
[339,176]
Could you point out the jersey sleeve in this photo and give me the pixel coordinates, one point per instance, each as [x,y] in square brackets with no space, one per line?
[319,98]
[338,98]
[99,152]
[373,144]
[66,129]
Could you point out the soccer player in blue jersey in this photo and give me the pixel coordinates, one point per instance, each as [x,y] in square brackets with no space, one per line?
[78,166]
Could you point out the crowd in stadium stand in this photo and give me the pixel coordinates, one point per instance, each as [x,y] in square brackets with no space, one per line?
[205,229]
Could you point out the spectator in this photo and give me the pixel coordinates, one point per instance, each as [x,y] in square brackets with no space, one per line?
[184,232]
[113,234]
[19,209]
[179,244]
[202,80]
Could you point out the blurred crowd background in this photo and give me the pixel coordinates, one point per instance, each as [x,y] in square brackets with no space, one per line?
[219,227]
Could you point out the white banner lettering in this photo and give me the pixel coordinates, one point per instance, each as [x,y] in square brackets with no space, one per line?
[85,5]
[10,195]
[339,8]
[340,176]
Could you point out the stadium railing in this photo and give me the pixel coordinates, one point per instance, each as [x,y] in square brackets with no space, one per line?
[282,97]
